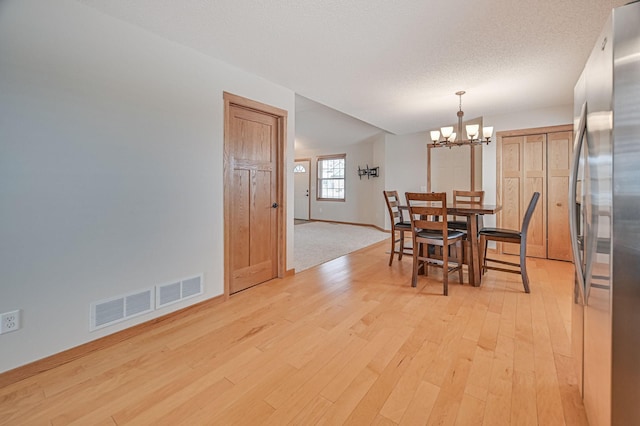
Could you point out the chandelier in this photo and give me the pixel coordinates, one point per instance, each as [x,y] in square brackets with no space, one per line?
[473,132]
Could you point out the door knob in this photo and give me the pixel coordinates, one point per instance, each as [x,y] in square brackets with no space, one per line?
[274,205]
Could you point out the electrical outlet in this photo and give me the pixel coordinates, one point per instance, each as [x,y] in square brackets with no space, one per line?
[9,321]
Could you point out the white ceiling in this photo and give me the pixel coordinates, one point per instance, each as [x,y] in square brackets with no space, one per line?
[393,64]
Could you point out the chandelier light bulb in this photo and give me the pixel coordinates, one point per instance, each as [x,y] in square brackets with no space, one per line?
[472,130]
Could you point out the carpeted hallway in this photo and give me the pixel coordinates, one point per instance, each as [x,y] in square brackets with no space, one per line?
[319,242]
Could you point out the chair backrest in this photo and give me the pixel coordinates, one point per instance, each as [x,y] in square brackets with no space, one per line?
[428,211]
[393,205]
[467,198]
[528,214]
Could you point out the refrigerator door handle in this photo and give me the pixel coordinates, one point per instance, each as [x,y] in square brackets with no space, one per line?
[581,133]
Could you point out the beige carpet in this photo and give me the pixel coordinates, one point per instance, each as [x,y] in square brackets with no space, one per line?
[319,242]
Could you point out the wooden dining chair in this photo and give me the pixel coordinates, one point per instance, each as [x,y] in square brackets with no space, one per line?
[428,214]
[510,236]
[465,198]
[398,224]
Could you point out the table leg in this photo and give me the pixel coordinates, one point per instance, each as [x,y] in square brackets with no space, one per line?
[474,255]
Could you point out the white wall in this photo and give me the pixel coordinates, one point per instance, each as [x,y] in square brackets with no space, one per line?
[379,209]
[360,193]
[111,144]
[403,167]
[406,166]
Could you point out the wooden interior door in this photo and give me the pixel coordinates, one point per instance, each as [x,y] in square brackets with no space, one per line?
[251,182]
[559,147]
[512,184]
[524,164]
[536,160]
[535,180]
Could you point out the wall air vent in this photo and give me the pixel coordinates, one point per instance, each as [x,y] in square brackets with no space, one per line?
[112,311]
[105,313]
[139,303]
[191,287]
[167,294]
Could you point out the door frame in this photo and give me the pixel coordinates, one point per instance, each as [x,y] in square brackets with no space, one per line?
[281,144]
[309,184]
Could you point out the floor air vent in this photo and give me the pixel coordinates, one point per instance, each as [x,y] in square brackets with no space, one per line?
[167,294]
[117,309]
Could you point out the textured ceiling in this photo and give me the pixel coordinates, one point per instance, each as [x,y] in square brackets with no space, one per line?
[393,64]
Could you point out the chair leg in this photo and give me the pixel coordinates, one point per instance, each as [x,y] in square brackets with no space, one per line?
[445,270]
[414,275]
[401,244]
[466,246]
[483,254]
[393,246]
[523,266]
[460,253]
[425,268]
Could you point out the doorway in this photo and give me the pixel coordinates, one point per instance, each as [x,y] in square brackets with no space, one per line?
[254,231]
[301,185]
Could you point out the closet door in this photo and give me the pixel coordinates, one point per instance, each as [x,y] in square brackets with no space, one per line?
[524,171]
[559,149]
[536,160]
[512,184]
[535,180]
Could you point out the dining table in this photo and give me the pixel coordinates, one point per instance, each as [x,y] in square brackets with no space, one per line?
[473,212]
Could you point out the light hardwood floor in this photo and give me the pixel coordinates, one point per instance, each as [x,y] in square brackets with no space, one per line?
[347,342]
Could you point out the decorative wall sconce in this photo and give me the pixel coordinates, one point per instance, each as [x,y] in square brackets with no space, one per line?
[368,172]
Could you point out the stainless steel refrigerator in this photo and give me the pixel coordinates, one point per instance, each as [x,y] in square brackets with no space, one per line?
[604,195]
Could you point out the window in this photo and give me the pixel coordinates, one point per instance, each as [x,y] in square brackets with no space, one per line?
[299,169]
[331,177]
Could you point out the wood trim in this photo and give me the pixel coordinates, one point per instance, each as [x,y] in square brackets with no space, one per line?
[227,177]
[499,177]
[255,105]
[290,273]
[429,147]
[535,130]
[282,198]
[20,373]
[472,157]
[281,115]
